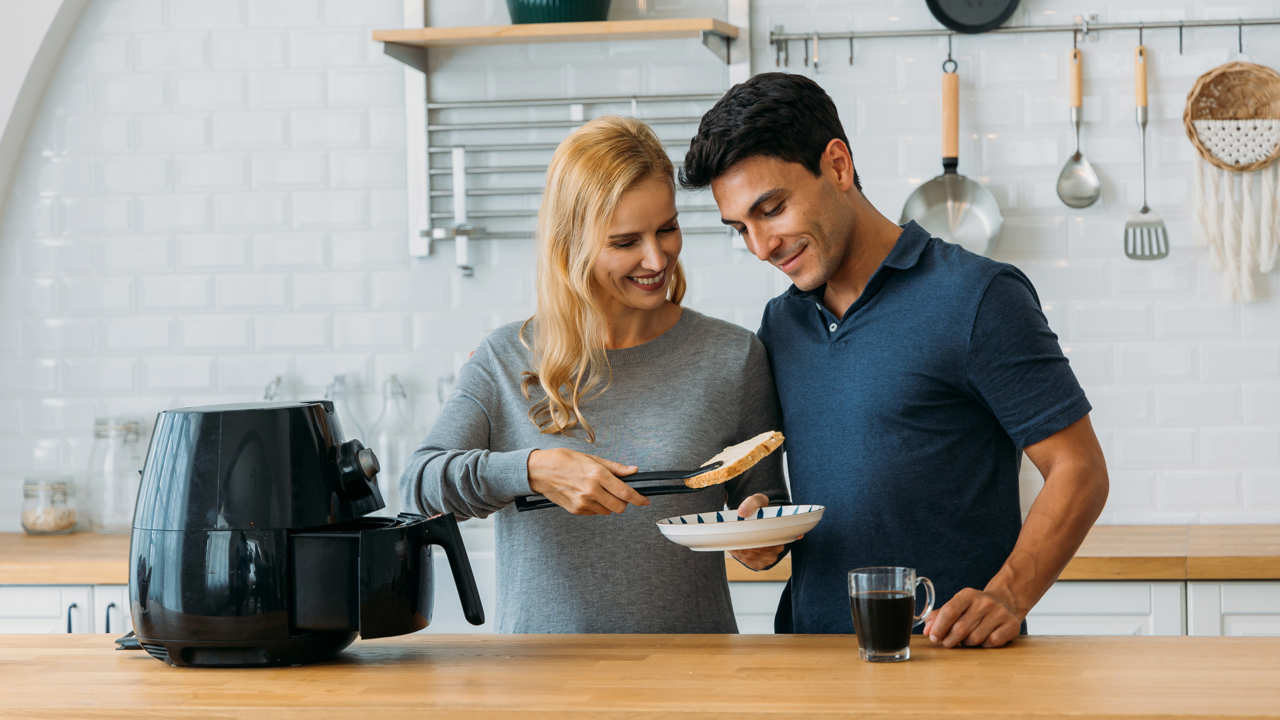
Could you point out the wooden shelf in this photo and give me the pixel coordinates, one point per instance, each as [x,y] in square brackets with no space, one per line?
[557,32]
[715,34]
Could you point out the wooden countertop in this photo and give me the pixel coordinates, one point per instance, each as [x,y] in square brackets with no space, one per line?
[1145,552]
[1110,552]
[642,676]
[75,559]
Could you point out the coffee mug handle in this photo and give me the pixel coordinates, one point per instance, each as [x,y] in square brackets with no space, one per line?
[928,600]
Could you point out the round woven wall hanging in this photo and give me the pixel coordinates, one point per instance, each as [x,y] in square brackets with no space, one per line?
[1233,119]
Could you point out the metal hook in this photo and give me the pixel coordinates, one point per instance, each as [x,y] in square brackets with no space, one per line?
[1179,38]
[851,50]
[1075,39]
[786,54]
[1240,39]
[1139,33]
[272,391]
[806,52]
[777,53]
[950,60]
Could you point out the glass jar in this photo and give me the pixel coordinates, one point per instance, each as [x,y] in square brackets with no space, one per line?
[392,442]
[344,402]
[48,505]
[115,466]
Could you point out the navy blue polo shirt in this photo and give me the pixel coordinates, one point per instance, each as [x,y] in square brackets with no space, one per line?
[907,417]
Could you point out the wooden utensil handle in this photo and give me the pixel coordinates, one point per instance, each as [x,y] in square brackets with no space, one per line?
[950,115]
[1073,72]
[1140,75]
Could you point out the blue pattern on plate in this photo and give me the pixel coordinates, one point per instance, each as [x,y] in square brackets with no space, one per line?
[762,513]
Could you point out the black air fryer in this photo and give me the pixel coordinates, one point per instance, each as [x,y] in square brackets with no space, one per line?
[250,547]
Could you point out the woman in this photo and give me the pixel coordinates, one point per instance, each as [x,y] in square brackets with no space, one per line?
[609,376]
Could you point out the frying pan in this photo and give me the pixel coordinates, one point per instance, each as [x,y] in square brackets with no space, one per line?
[972,16]
[951,206]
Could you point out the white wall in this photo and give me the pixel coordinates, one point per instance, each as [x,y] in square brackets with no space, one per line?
[31,41]
[212,195]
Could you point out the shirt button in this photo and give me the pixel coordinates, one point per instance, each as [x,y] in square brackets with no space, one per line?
[832,327]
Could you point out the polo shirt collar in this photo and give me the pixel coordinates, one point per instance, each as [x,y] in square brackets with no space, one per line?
[904,255]
[906,252]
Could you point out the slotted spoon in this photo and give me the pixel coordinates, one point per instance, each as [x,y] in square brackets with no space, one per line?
[1145,237]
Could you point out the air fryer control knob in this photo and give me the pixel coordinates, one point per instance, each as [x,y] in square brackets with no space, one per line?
[357,468]
[368,462]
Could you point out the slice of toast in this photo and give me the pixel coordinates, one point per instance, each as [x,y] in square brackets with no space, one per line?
[737,459]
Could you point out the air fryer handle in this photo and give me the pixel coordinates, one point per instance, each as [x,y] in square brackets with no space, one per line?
[442,530]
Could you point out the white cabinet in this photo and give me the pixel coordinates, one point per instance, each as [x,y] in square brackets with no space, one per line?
[111,609]
[754,605]
[1109,608]
[54,608]
[1233,608]
[46,609]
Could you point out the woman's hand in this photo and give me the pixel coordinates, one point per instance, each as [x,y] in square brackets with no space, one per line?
[756,558]
[580,483]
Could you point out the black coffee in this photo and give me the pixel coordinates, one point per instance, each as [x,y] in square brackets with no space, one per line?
[882,619]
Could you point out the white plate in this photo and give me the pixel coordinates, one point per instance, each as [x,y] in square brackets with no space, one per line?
[722,530]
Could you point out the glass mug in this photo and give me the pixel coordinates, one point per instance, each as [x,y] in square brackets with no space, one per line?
[883,602]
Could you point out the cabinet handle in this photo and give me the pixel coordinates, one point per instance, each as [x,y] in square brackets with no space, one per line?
[70,607]
[107,615]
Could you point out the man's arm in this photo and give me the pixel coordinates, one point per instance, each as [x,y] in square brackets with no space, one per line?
[1074,493]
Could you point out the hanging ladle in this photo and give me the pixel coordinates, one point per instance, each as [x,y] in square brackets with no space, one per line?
[1078,185]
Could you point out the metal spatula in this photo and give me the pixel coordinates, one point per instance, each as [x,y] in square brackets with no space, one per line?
[1145,237]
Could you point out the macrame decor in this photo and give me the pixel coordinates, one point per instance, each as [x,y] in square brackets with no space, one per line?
[1233,119]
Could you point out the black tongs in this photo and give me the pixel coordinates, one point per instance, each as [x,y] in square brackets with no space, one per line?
[648,484]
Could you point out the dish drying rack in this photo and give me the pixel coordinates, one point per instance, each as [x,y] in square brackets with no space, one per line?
[466,170]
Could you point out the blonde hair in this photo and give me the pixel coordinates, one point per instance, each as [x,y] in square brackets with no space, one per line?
[587,176]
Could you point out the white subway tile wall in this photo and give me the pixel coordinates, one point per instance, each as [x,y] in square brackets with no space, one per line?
[213,194]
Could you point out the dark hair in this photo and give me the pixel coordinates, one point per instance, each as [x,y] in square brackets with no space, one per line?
[786,116]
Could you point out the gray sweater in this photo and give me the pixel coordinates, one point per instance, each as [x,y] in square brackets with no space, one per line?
[673,403]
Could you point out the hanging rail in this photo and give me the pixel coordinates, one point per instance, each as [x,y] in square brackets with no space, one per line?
[775,35]
[781,40]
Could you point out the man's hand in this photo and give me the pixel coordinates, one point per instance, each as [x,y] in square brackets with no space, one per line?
[975,617]
[756,558]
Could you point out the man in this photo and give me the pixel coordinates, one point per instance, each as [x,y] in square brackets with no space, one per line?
[913,375]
